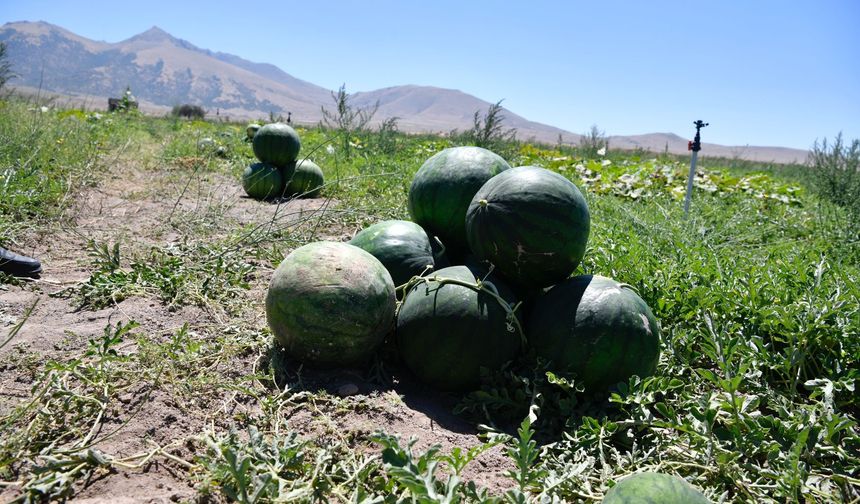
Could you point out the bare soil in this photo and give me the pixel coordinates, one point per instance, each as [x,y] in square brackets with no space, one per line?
[143,208]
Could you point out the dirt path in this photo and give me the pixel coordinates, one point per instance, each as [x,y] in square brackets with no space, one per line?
[142,209]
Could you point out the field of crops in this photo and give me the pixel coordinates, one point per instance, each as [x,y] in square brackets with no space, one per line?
[141,364]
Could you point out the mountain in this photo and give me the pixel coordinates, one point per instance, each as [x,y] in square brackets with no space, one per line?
[426,108]
[163,71]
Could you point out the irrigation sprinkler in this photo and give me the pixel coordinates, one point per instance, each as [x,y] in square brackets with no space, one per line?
[695,146]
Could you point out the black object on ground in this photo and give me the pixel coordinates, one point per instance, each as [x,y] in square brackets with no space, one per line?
[18,265]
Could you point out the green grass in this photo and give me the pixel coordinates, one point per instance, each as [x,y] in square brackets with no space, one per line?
[755,398]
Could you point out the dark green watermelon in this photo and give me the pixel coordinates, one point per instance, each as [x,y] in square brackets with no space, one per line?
[307,180]
[446,333]
[263,181]
[443,187]
[330,304]
[531,223]
[596,328]
[401,246]
[656,488]
[277,144]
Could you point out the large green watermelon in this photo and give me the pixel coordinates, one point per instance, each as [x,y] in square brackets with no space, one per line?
[402,246]
[446,333]
[277,144]
[657,488]
[443,187]
[531,223]
[263,181]
[307,180]
[330,304]
[596,328]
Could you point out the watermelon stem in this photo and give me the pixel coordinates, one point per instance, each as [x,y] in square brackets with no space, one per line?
[513,323]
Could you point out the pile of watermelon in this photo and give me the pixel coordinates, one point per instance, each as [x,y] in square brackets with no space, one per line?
[449,287]
[279,172]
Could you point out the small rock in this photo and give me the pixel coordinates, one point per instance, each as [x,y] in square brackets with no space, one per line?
[347,390]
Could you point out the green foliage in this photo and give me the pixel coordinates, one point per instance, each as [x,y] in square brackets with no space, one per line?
[635,178]
[258,470]
[593,144]
[6,72]
[347,120]
[178,275]
[45,157]
[52,435]
[488,131]
[386,136]
[763,318]
[836,175]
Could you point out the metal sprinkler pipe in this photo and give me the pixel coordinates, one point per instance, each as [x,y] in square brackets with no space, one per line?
[695,146]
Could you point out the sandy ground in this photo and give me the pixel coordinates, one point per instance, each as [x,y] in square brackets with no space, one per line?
[138,207]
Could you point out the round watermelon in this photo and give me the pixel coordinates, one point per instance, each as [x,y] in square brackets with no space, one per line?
[648,487]
[597,329]
[252,130]
[401,246]
[446,333]
[276,144]
[263,181]
[307,180]
[531,223]
[443,187]
[330,304]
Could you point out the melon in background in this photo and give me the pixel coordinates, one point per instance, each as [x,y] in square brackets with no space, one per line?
[277,144]
[330,304]
[307,180]
[444,186]
[263,181]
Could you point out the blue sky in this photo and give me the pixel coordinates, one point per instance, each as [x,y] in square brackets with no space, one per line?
[761,72]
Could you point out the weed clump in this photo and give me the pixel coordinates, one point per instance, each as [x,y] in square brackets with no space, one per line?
[836,176]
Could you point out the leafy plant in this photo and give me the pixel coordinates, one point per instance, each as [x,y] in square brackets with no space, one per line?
[488,131]
[836,169]
[178,275]
[6,72]
[593,143]
[347,119]
[51,436]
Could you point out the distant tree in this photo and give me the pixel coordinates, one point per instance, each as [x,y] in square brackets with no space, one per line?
[6,73]
[189,111]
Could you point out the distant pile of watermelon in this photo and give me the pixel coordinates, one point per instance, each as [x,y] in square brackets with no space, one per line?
[279,173]
[485,241]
